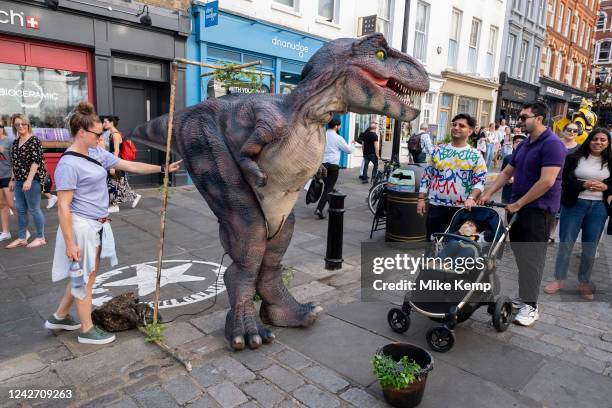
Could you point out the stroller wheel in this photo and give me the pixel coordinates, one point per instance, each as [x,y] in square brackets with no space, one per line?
[398,320]
[440,339]
[502,316]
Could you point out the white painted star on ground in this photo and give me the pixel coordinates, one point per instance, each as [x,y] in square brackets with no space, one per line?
[146,276]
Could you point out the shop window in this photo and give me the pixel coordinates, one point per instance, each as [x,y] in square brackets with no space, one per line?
[328,10]
[138,69]
[223,54]
[473,45]
[293,67]
[467,105]
[288,82]
[453,41]
[46,96]
[267,63]
[421,29]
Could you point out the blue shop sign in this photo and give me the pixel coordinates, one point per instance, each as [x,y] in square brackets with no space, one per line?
[211,14]
[251,35]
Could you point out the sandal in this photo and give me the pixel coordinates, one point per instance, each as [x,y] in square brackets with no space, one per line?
[585,291]
[17,243]
[37,242]
[553,287]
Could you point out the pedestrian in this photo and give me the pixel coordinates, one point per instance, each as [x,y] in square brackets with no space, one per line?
[585,197]
[84,235]
[118,186]
[28,175]
[508,142]
[482,145]
[419,145]
[473,140]
[334,143]
[536,167]
[491,135]
[568,137]
[369,141]
[51,199]
[507,189]
[454,178]
[7,205]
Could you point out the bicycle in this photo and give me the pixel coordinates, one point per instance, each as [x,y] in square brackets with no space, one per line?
[379,182]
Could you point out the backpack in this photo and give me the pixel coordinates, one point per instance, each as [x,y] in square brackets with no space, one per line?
[128,150]
[414,143]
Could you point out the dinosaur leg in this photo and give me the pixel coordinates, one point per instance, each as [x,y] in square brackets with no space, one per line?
[279,307]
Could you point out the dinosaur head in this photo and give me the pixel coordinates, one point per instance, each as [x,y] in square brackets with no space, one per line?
[370,76]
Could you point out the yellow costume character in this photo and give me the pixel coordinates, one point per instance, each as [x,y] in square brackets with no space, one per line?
[584,117]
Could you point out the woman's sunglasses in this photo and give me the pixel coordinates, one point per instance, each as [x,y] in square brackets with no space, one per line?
[571,130]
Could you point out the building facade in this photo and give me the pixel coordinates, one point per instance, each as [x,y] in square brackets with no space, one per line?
[522,45]
[602,63]
[89,50]
[567,55]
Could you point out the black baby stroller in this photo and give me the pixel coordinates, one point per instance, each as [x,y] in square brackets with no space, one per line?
[456,306]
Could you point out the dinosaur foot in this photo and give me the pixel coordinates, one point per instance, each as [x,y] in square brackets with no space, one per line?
[292,315]
[244,329]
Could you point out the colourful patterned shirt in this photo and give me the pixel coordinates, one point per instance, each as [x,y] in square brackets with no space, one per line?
[453,174]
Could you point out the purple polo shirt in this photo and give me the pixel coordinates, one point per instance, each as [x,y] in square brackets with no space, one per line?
[528,159]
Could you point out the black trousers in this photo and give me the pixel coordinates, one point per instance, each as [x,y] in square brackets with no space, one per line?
[366,162]
[529,242]
[330,183]
[439,218]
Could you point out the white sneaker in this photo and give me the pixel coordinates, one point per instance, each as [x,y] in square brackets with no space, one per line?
[28,235]
[4,236]
[527,316]
[51,202]
[113,209]
[136,200]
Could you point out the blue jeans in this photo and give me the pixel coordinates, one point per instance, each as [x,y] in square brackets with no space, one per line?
[366,162]
[29,201]
[590,217]
[489,154]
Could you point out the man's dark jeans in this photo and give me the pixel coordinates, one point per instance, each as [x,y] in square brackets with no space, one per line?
[366,162]
[330,183]
[529,242]
[439,218]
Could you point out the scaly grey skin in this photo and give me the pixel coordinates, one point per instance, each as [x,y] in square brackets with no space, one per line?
[249,156]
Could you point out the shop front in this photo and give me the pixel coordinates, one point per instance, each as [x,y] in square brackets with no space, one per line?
[282,52]
[560,98]
[513,94]
[51,60]
[465,94]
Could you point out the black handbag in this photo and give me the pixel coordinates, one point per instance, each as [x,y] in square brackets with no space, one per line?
[315,190]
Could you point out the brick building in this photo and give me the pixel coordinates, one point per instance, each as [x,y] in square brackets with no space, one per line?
[568,53]
[602,60]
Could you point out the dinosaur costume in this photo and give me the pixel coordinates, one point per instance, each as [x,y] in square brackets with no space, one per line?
[250,155]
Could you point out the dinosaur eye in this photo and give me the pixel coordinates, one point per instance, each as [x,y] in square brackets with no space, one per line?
[381,55]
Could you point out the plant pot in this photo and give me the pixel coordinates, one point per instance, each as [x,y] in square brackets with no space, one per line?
[412,395]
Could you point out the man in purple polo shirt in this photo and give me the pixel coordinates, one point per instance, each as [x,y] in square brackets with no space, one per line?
[536,194]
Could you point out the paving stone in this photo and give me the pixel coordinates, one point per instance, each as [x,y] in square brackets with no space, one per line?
[273,348]
[27,363]
[598,354]
[310,290]
[101,401]
[283,378]
[607,337]
[206,401]
[564,342]
[313,397]
[325,377]
[227,395]
[254,360]
[292,359]
[155,398]
[151,381]
[145,371]
[266,394]
[535,346]
[207,375]
[250,404]
[233,370]
[582,360]
[210,323]
[290,403]
[181,333]
[182,389]
[55,354]
[360,398]
[124,403]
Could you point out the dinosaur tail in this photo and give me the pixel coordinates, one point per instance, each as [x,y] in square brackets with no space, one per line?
[153,133]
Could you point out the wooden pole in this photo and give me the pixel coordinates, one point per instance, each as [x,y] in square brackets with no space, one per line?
[162,226]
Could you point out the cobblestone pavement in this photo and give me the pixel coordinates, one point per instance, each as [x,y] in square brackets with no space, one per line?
[564,360]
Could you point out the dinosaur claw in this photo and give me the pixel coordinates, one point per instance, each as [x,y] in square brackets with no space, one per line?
[266,335]
[237,343]
[254,341]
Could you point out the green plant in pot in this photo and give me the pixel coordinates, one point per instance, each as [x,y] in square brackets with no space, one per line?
[402,371]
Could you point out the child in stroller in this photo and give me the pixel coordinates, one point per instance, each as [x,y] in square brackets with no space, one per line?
[457,247]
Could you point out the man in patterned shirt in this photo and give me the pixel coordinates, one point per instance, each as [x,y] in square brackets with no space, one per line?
[454,179]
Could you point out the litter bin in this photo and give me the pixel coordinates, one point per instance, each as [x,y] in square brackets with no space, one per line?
[403,222]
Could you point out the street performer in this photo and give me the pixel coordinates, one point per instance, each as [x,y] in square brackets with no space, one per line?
[85,234]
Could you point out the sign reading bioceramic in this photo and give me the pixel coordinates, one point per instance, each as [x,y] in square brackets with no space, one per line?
[29,94]
[18,18]
[297,46]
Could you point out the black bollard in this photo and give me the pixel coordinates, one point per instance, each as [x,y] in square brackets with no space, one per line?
[335,230]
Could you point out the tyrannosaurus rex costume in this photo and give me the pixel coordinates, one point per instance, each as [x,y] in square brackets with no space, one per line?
[250,155]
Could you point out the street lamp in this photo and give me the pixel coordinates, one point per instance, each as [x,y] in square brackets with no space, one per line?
[602,75]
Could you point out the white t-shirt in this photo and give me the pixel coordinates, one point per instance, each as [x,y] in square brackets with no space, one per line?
[590,169]
[334,143]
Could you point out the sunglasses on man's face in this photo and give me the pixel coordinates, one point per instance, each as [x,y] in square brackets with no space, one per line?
[523,118]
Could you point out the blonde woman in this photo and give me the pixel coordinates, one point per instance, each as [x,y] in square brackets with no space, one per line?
[28,175]
[85,234]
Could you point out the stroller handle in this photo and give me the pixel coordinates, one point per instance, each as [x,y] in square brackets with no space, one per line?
[494,204]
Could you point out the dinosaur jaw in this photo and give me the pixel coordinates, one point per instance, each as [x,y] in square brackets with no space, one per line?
[387,96]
